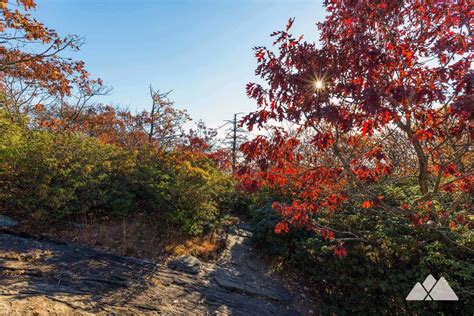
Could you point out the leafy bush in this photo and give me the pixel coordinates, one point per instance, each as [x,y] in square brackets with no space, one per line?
[54,175]
[195,191]
[62,174]
[379,272]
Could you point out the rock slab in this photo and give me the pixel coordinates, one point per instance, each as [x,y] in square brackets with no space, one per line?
[6,221]
[40,277]
[187,264]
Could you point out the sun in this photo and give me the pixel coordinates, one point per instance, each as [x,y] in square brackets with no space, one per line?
[318,85]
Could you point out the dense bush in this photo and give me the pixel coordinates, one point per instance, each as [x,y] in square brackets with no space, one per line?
[379,272]
[56,175]
[194,190]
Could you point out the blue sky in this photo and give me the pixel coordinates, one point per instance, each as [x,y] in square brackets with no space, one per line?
[200,49]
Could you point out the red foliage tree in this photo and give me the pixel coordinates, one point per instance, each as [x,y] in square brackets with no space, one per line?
[382,68]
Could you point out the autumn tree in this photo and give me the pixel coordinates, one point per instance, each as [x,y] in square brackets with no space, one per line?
[163,123]
[384,72]
[36,78]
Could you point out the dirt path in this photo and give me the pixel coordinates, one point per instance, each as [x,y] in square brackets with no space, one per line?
[47,277]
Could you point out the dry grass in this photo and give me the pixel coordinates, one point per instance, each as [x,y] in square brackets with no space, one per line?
[206,247]
[139,236]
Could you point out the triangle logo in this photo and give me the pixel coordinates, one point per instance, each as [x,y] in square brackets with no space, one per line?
[443,292]
[432,290]
[418,293]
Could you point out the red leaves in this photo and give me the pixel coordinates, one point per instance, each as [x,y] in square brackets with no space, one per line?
[408,54]
[371,101]
[281,227]
[386,116]
[333,202]
[323,140]
[221,158]
[424,134]
[368,128]
[449,170]
[416,220]
[254,90]
[250,183]
[382,5]
[348,21]
[260,54]
[339,250]
[367,204]
[375,153]
[327,234]
[384,108]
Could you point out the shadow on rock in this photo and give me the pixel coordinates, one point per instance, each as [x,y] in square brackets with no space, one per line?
[89,281]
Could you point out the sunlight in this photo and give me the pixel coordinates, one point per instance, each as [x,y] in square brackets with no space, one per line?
[268,168]
[318,84]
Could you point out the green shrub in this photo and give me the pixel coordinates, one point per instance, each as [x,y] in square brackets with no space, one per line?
[195,191]
[376,275]
[54,175]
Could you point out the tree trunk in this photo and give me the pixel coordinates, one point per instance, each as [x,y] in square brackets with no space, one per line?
[423,180]
[422,168]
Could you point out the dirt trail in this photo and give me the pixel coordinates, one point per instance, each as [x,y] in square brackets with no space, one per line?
[44,277]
